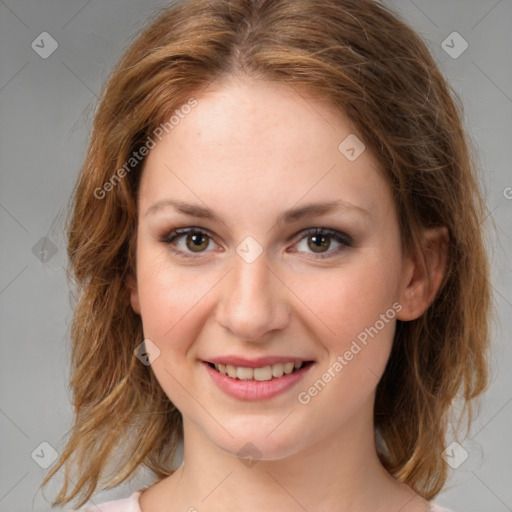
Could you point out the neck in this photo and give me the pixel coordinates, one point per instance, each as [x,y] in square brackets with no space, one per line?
[341,472]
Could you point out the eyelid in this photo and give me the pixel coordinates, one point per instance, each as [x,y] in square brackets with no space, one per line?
[333,233]
[170,236]
[341,237]
[345,241]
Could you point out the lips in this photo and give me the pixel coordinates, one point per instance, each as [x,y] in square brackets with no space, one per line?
[258,362]
[257,379]
[260,374]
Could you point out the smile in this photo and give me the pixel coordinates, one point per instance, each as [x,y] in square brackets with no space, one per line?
[260,374]
[259,382]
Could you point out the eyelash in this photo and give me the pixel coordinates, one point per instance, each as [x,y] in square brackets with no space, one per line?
[344,239]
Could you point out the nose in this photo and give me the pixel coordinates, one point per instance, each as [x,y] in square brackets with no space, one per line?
[253,300]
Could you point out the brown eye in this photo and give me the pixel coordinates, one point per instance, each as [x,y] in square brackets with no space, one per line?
[318,242]
[196,241]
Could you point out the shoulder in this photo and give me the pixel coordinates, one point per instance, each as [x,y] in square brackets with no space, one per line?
[437,508]
[129,504]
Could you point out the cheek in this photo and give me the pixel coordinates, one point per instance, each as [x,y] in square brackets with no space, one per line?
[350,298]
[169,298]
[355,324]
[170,302]
[355,316]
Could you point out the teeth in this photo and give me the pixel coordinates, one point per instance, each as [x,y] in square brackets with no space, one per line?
[264,373]
[277,370]
[244,373]
[231,371]
[259,374]
[288,368]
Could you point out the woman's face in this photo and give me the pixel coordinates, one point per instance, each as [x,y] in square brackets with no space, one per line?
[249,284]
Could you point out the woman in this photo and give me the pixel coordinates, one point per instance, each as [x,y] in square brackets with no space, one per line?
[276,240]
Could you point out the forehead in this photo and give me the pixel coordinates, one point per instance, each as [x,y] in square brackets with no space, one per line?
[260,115]
[264,141]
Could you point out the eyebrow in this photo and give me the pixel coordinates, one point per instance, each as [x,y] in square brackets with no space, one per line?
[289,216]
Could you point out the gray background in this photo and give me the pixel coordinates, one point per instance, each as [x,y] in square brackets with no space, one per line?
[46,107]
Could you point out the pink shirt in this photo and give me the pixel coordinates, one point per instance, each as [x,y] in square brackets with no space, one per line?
[131,504]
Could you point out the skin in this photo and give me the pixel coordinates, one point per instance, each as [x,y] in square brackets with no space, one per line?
[249,151]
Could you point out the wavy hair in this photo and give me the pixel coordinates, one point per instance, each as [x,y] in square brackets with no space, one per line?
[366,62]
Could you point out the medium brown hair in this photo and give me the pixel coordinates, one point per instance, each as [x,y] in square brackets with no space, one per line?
[368,64]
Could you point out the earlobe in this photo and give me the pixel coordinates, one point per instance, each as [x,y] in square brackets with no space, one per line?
[424,275]
[131,282]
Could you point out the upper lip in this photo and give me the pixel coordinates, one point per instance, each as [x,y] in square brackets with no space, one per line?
[257,362]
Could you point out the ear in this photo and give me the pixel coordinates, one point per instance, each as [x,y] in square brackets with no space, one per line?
[424,272]
[131,283]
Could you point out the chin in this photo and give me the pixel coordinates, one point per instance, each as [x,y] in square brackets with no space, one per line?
[256,444]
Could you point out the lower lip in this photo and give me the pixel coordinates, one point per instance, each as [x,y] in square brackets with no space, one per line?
[256,390]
